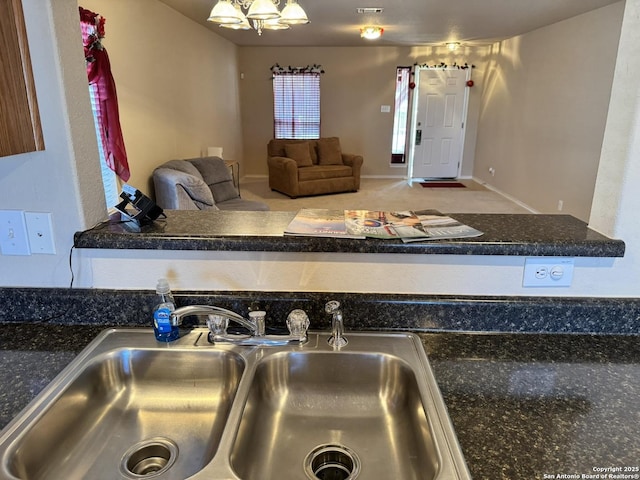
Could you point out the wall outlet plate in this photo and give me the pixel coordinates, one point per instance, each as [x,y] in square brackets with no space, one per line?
[13,233]
[40,232]
[548,272]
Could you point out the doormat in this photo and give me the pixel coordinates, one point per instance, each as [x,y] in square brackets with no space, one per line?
[442,185]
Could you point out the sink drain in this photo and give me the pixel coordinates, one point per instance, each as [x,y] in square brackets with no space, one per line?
[332,462]
[149,458]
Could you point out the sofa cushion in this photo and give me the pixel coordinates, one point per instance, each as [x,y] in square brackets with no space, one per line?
[323,172]
[216,174]
[276,147]
[300,153]
[329,152]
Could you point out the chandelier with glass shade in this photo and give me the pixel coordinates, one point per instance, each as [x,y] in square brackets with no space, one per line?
[263,14]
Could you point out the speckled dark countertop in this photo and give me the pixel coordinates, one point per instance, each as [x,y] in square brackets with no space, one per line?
[522,405]
[526,406]
[503,234]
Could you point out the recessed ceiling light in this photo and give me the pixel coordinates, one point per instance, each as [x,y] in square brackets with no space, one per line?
[371,32]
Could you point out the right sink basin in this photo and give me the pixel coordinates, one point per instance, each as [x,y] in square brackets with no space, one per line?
[335,416]
[369,410]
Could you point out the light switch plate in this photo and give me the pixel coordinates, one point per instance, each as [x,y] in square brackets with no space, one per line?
[13,233]
[40,232]
[548,272]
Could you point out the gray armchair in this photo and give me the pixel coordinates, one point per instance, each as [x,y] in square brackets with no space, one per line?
[199,184]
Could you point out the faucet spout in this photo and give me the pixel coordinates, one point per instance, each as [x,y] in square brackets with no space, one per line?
[180,313]
[337,338]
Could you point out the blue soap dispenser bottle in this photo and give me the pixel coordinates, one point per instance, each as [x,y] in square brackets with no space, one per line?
[163,327]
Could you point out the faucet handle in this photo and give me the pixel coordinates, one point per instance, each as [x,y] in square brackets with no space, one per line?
[298,323]
[332,306]
[217,324]
[257,317]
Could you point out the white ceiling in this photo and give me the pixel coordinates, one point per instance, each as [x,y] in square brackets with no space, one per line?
[405,22]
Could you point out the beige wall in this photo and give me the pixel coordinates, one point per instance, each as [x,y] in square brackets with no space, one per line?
[64,180]
[544,109]
[52,180]
[177,84]
[356,83]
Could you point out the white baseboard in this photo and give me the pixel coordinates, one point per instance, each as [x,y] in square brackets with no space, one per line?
[505,195]
[255,176]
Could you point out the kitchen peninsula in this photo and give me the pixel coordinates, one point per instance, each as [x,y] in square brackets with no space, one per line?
[504,234]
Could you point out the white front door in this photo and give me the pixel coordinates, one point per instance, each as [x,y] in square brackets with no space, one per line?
[439,110]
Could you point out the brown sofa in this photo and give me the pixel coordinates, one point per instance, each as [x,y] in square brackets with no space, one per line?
[300,168]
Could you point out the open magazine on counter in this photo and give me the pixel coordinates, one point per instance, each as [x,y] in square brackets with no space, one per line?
[410,226]
[310,222]
[435,225]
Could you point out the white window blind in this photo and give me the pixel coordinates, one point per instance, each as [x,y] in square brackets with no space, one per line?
[296,105]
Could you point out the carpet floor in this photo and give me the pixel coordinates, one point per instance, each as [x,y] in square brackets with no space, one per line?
[388,194]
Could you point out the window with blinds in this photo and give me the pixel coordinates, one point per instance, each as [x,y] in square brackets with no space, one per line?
[296,105]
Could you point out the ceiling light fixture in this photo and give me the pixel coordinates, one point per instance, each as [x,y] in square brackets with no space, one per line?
[263,14]
[371,32]
[453,45]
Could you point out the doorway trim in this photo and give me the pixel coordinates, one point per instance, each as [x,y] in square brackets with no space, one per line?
[413,127]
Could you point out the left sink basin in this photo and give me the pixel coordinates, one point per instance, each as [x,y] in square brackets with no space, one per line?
[167,406]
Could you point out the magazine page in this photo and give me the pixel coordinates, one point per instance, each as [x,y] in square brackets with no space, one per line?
[319,223]
[438,226]
[407,225]
[381,224]
[368,223]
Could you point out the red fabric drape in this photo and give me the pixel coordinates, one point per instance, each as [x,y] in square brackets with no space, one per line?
[99,73]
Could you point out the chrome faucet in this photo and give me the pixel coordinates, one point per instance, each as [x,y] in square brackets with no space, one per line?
[218,321]
[337,338]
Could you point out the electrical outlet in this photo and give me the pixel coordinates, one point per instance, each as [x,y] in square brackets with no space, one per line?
[13,233]
[548,272]
[40,232]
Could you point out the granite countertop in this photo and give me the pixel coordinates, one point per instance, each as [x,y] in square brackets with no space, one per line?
[522,405]
[503,234]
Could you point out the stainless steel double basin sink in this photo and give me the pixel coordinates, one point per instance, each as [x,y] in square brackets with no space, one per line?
[129,407]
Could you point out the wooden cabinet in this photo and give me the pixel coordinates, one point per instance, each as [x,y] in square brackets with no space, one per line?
[20,129]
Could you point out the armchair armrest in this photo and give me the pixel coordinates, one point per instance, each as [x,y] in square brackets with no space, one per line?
[352,160]
[282,163]
[283,175]
[355,162]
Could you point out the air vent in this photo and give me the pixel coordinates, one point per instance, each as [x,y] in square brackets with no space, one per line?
[369,9]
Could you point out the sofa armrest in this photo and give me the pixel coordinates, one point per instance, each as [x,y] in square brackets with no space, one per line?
[352,160]
[283,163]
[355,162]
[283,175]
